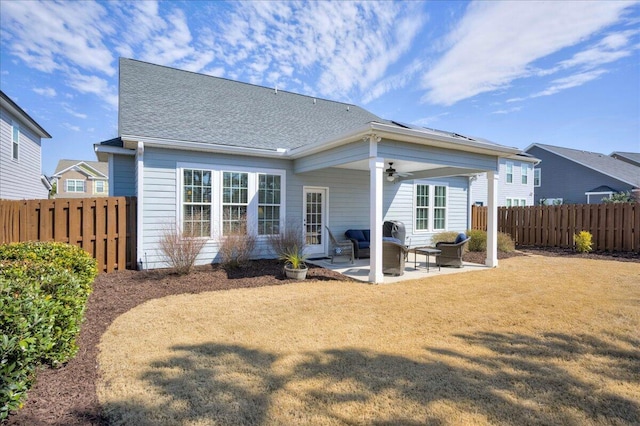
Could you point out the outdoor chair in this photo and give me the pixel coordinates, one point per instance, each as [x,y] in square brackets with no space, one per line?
[393,258]
[340,248]
[452,252]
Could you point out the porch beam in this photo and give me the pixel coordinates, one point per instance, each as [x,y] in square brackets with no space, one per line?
[492,219]
[441,172]
[376,173]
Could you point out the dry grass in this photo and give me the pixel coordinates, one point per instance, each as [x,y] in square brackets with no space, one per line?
[540,340]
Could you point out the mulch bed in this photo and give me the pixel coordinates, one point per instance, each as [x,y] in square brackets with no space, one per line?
[67,395]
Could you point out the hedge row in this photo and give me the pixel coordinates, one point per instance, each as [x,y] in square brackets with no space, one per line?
[43,293]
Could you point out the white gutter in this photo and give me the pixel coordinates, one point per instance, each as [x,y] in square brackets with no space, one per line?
[203,147]
[406,135]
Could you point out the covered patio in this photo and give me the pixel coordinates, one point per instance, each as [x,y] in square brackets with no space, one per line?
[360,270]
[415,153]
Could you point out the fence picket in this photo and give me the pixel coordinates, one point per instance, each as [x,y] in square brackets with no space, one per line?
[614,226]
[103,227]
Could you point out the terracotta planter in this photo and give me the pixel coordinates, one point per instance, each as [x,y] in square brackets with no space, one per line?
[296,274]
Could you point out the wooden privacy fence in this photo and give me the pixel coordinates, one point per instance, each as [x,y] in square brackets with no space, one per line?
[105,227]
[614,226]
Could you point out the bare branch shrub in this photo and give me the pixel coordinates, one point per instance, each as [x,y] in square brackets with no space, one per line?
[288,239]
[180,249]
[237,244]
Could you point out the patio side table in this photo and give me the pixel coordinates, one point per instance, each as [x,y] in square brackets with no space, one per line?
[427,251]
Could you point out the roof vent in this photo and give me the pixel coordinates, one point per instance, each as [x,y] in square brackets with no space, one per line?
[347,107]
[276,90]
[314,101]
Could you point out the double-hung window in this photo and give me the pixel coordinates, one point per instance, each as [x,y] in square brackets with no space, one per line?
[509,172]
[439,207]
[430,207]
[74,185]
[15,140]
[422,207]
[269,189]
[100,187]
[196,213]
[536,177]
[525,174]
[235,199]
[218,202]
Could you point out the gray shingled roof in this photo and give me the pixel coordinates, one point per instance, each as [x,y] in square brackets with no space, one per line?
[629,157]
[617,169]
[101,166]
[166,103]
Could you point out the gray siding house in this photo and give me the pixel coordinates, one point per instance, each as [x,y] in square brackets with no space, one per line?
[572,176]
[201,151]
[20,154]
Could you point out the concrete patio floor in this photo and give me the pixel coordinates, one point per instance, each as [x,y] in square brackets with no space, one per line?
[360,269]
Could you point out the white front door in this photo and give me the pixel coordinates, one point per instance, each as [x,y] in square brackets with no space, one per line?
[314,217]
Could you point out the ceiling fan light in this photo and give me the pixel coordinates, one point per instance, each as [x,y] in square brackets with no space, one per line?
[391,177]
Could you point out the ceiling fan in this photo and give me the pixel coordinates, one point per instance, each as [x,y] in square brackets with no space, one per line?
[392,174]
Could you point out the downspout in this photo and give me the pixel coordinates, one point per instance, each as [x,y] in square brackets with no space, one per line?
[140,195]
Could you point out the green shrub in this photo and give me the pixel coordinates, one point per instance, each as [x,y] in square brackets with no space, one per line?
[584,242]
[43,292]
[478,241]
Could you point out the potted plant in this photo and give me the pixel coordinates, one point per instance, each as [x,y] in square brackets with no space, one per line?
[294,259]
[289,245]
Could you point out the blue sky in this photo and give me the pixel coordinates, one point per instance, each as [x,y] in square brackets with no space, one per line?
[560,73]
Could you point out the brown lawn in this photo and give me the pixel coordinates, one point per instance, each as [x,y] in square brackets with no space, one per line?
[540,340]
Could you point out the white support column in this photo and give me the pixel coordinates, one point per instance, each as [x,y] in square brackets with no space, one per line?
[376,169]
[140,196]
[492,220]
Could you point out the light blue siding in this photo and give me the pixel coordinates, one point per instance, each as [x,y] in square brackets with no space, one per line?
[348,198]
[434,155]
[20,179]
[333,157]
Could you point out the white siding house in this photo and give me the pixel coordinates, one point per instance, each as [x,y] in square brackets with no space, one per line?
[20,154]
[515,184]
[201,151]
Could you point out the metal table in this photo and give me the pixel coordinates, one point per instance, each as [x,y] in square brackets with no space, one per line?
[427,251]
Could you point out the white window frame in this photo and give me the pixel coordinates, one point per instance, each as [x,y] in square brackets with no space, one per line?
[524,174]
[217,171]
[516,202]
[537,171]
[15,140]
[508,173]
[431,207]
[75,186]
[104,186]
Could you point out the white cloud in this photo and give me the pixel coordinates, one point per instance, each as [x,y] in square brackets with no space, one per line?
[71,127]
[507,111]
[50,36]
[49,92]
[496,43]
[569,82]
[346,47]
[95,85]
[72,112]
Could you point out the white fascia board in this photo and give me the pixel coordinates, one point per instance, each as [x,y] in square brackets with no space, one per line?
[80,169]
[130,140]
[103,151]
[405,135]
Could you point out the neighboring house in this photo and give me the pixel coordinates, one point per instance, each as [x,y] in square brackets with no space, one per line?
[21,175]
[628,157]
[204,152]
[515,186]
[79,178]
[572,176]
